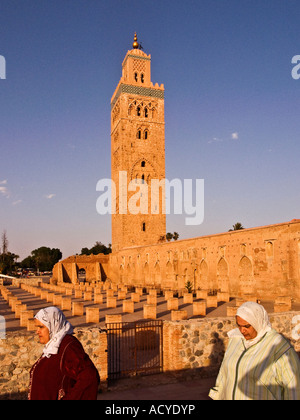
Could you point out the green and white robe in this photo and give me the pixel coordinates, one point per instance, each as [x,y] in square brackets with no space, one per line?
[268,370]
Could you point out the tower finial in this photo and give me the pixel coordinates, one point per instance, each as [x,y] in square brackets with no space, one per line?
[135,42]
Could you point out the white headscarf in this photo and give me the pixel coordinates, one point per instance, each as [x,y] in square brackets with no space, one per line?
[257,317]
[58,326]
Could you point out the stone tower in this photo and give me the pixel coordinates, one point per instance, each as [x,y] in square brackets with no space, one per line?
[137,154]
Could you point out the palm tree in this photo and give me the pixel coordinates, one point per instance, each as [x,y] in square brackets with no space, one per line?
[169,236]
[175,236]
[237,226]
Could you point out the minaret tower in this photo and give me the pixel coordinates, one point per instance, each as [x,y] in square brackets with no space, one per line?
[137,152]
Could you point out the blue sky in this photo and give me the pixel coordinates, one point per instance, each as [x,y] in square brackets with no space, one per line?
[231,106]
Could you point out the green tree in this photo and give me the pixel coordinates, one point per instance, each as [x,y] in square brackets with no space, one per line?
[169,236]
[237,226]
[8,260]
[98,248]
[42,259]
[175,236]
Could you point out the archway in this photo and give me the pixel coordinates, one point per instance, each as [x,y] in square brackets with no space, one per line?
[81,275]
[203,278]
[246,277]
[222,276]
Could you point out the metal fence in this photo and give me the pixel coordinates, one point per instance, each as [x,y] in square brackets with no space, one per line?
[134,348]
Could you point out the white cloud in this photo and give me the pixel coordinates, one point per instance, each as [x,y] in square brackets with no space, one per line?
[235,136]
[3,189]
[50,196]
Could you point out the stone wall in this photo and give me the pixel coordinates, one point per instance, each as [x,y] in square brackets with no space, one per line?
[197,346]
[19,351]
[190,348]
[264,261]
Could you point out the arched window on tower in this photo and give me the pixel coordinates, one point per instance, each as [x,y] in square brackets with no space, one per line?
[146,112]
[144,227]
[143,164]
[142,78]
[135,76]
[146,135]
[139,134]
[138,111]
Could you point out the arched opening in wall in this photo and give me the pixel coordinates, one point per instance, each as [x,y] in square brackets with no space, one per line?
[170,276]
[136,76]
[81,275]
[128,275]
[186,278]
[270,250]
[203,283]
[246,277]
[122,274]
[142,78]
[157,275]
[222,276]
[147,274]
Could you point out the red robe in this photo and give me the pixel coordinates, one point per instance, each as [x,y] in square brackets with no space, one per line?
[71,370]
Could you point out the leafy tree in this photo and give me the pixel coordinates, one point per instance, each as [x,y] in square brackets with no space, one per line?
[98,248]
[175,236]
[169,236]
[189,286]
[237,226]
[8,260]
[43,259]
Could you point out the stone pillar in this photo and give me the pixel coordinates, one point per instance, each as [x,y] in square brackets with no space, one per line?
[111,319]
[188,298]
[178,315]
[212,301]
[128,306]
[98,298]
[77,309]
[150,311]
[152,300]
[111,302]
[92,315]
[172,304]
[199,308]
[66,304]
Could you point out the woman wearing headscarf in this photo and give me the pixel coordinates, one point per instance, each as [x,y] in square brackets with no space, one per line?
[64,371]
[259,363]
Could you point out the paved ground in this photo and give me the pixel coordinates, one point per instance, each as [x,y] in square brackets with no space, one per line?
[194,389]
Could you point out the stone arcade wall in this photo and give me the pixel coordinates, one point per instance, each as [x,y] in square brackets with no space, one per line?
[264,261]
[190,348]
